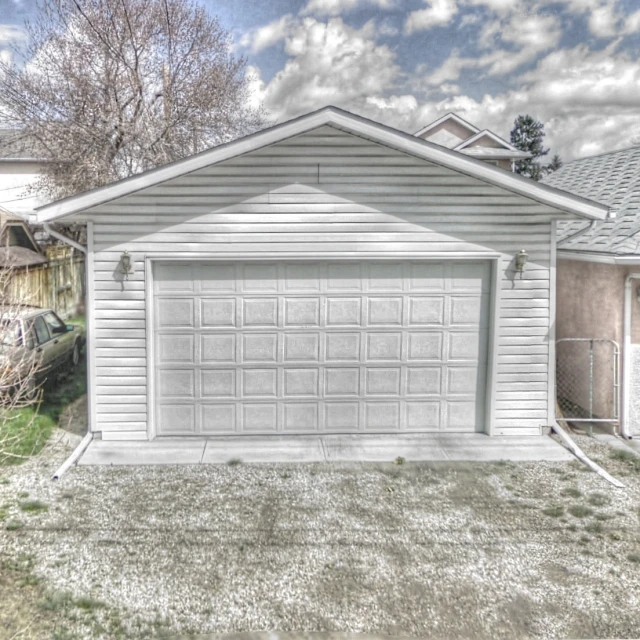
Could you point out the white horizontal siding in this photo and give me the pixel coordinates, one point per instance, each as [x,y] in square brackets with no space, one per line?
[330,192]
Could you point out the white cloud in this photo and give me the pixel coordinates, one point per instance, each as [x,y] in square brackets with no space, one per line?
[10,33]
[330,63]
[340,7]
[264,37]
[439,13]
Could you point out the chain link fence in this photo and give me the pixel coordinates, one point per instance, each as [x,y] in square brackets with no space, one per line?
[587,380]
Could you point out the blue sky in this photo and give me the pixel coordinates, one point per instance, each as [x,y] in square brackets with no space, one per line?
[573,64]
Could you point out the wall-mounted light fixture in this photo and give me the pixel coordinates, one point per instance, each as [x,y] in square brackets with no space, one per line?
[521,259]
[125,265]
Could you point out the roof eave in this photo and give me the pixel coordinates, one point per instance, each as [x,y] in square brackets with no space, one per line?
[340,119]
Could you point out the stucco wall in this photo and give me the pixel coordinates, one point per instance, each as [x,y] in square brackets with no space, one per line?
[590,304]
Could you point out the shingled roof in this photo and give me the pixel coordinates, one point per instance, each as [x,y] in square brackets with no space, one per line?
[612,179]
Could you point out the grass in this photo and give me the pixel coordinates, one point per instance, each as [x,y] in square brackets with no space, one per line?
[580,511]
[555,511]
[598,499]
[13,525]
[634,557]
[33,506]
[625,455]
[572,492]
[234,462]
[30,427]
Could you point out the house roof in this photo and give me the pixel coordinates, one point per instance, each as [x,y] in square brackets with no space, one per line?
[614,180]
[20,257]
[448,116]
[16,147]
[344,121]
[505,148]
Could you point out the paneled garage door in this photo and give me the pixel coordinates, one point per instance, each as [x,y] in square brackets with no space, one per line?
[348,347]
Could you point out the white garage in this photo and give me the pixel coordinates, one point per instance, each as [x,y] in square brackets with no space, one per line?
[299,347]
[326,275]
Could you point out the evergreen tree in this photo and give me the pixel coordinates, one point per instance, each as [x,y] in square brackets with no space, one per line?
[527,135]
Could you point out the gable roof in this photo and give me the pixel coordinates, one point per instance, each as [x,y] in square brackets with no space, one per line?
[506,148]
[614,180]
[448,116]
[344,121]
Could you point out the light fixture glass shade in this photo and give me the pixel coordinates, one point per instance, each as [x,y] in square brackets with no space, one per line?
[125,264]
[521,259]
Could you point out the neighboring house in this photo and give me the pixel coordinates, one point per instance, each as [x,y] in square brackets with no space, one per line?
[51,277]
[599,270]
[48,274]
[20,166]
[453,132]
[18,247]
[326,275]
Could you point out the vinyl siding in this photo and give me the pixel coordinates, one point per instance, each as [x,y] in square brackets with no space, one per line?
[325,191]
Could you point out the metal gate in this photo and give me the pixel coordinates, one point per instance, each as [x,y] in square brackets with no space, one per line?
[587,380]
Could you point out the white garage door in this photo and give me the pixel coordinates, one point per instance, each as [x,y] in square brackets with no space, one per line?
[250,348]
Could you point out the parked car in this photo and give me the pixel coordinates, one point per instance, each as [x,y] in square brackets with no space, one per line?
[31,334]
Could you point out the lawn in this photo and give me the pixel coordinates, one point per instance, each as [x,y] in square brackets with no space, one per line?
[438,550]
[29,428]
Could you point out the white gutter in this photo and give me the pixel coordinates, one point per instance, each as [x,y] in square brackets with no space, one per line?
[626,355]
[64,239]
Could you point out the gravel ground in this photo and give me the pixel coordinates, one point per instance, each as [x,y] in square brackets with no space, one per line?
[437,550]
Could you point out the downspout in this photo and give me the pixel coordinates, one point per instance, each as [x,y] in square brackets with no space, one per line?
[581,232]
[626,355]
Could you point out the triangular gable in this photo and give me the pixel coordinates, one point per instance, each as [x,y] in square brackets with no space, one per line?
[448,118]
[486,136]
[344,121]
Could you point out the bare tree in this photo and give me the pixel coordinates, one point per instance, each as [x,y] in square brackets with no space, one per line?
[19,368]
[105,89]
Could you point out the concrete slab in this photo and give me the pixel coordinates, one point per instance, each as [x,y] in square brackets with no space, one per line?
[473,447]
[173,451]
[382,448]
[632,446]
[267,449]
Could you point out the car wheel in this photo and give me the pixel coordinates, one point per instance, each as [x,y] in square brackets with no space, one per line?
[75,355]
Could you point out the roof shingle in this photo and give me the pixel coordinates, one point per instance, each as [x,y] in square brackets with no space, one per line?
[612,179]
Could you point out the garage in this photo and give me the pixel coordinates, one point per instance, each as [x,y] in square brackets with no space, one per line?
[320,346]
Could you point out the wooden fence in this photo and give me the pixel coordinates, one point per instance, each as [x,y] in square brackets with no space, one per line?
[59,284]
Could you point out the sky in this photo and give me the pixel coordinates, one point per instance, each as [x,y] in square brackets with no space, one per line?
[572,64]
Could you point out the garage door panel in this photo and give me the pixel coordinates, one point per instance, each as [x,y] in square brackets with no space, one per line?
[218,419]
[175,312]
[342,347]
[259,383]
[176,348]
[302,312]
[301,382]
[341,416]
[218,383]
[217,348]
[383,347]
[260,312]
[220,312]
[320,347]
[176,383]
[343,312]
[300,417]
[427,310]
[302,347]
[259,418]
[341,382]
[260,347]
[423,415]
[424,381]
